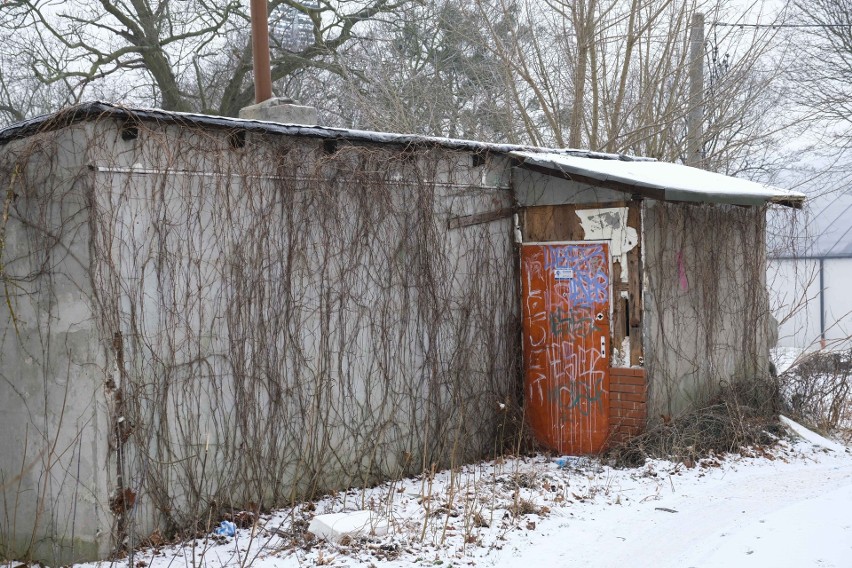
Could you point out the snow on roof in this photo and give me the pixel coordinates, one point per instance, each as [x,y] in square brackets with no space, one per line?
[663,181]
[635,175]
[99,109]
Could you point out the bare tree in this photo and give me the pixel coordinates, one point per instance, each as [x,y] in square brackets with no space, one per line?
[613,75]
[193,55]
[823,70]
[610,75]
[429,72]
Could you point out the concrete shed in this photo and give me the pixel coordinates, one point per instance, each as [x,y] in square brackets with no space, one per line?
[203,313]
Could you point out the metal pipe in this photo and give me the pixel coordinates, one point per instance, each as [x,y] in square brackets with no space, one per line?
[237,175]
[822,303]
[260,51]
[813,257]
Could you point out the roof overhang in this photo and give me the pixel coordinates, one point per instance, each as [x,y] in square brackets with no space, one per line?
[662,181]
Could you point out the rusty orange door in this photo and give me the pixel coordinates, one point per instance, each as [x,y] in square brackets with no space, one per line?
[566,295]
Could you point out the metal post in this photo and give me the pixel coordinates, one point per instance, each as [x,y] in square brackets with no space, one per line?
[695,118]
[260,51]
[822,303]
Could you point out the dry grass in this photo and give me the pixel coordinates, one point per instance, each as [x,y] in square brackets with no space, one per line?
[744,414]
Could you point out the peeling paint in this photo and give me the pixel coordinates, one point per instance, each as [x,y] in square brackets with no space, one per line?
[621,356]
[610,224]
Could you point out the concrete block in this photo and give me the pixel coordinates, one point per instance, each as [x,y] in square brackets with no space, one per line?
[335,526]
[282,110]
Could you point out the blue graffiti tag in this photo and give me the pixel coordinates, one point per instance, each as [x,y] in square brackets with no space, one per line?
[589,282]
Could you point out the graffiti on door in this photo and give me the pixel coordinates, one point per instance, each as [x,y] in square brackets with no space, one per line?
[566,333]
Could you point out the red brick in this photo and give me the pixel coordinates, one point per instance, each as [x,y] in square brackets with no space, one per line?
[627,379]
[627,422]
[628,371]
[626,384]
[626,405]
[622,410]
[628,396]
[621,436]
[627,402]
[627,388]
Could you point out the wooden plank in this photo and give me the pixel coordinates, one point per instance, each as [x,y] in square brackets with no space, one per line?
[606,205]
[619,324]
[634,285]
[561,223]
[552,223]
[479,218]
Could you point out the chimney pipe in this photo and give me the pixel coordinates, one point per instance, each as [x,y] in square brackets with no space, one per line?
[260,51]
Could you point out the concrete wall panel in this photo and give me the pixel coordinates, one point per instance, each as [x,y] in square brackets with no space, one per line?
[230,325]
[52,368]
[706,306]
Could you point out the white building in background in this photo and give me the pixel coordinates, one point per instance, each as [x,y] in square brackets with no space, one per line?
[810,282]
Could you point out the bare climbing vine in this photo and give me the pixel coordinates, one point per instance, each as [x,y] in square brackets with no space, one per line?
[272,317]
[709,316]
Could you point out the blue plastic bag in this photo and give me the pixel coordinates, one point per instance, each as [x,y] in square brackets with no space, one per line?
[225,528]
[570,461]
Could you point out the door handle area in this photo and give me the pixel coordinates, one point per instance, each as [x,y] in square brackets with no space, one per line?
[603,346]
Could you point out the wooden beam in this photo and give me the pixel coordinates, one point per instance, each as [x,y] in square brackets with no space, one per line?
[479,218]
[634,285]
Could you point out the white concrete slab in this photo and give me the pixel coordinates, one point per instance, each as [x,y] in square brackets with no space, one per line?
[335,526]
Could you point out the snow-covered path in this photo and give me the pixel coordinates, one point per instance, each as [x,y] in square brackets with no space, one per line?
[790,514]
[788,507]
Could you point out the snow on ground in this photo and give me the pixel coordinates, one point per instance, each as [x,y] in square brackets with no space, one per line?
[785,357]
[812,437]
[788,506]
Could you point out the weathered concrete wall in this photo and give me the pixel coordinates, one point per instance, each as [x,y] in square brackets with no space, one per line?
[264,317]
[53,451]
[707,320]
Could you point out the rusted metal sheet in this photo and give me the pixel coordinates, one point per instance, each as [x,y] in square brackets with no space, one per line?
[566,295]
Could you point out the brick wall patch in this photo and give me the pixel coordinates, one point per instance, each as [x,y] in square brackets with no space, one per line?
[627,403]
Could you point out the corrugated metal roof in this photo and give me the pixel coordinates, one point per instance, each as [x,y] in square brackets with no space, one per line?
[639,176]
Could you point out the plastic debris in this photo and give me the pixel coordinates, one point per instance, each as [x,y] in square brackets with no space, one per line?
[225,528]
[575,462]
[333,527]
